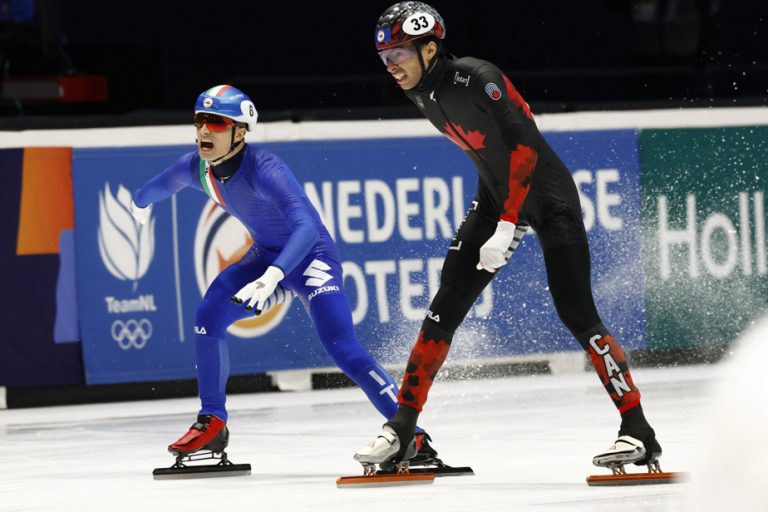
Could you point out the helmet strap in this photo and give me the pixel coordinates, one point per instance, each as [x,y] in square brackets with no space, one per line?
[424,69]
[423,66]
[232,140]
[233,147]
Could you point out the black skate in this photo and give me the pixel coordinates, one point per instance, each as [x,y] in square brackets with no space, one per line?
[652,449]
[206,440]
[426,455]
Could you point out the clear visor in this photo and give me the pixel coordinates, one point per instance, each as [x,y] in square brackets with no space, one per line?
[397,55]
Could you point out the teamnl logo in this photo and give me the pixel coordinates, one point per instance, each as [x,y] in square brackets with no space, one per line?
[126,248]
[221,240]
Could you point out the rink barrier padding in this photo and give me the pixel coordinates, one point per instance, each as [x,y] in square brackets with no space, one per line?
[73,394]
[337,379]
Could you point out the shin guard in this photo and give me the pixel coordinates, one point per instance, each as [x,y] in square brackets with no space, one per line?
[611,366]
[427,356]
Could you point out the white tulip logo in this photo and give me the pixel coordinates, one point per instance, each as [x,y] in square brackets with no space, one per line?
[126,247]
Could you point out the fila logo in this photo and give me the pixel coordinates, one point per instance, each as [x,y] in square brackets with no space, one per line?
[200,330]
[435,318]
[316,272]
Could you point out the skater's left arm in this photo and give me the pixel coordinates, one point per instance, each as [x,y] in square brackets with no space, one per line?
[493,93]
[277,182]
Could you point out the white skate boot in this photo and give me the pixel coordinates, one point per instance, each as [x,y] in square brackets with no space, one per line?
[628,450]
[625,450]
[383,449]
[385,452]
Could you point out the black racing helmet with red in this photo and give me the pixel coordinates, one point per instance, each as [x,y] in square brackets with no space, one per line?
[408,21]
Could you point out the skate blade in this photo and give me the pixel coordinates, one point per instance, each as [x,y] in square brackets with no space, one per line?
[205,471]
[637,479]
[346,482]
[437,470]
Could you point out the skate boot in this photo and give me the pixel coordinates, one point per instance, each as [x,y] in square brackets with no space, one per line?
[652,446]
[636,443]
[641,449]
[625,450]
[630,450]
[205,441]
[426,455]
[392,458]
[208,433]
[386,449]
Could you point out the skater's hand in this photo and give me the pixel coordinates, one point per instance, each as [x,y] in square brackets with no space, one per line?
[497,250]
[141,214]
[257,292]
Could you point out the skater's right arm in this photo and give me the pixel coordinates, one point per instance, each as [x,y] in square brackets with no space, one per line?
[162,186]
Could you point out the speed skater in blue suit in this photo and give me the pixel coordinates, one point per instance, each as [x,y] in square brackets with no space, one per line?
[292,252]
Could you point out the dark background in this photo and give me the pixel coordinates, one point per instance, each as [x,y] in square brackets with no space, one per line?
[317,60]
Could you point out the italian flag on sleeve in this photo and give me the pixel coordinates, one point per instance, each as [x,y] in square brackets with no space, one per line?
[209,183]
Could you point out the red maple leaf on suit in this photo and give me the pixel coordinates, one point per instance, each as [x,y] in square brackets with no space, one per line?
[474,139]
[522,162]
[516,99]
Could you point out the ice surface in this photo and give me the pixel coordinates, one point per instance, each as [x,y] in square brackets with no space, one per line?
[529,439]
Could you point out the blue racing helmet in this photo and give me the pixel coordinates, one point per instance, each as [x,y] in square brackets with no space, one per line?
[226,101]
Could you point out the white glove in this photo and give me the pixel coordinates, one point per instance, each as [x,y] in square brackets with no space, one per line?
[141,214]
[257,292]
[497,250]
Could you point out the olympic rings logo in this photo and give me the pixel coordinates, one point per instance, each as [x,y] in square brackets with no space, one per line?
[131,333]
